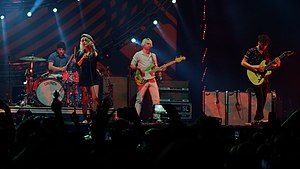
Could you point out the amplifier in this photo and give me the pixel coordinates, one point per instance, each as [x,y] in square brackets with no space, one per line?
[238,103]
[119,87]
[184,109]
[234,108]
[174,91]
[214,104]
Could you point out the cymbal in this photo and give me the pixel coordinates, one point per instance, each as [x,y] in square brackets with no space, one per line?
[32,58]
[19,63]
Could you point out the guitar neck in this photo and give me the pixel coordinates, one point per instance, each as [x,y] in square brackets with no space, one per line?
[273,61]
[168,64]
[165,65]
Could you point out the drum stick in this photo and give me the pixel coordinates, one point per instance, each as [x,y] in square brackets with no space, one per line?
[71,56]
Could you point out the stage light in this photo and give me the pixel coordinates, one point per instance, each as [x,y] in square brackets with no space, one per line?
[173,1]
[133,40]
[54,10]
[155,22]
[2,17]
[29,14]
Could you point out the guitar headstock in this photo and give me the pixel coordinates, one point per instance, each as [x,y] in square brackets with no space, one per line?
[289,53]
[180,58]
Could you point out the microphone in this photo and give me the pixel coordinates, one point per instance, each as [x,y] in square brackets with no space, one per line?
[108,70]
[91,44]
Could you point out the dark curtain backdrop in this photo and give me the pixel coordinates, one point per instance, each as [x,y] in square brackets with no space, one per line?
[232,28]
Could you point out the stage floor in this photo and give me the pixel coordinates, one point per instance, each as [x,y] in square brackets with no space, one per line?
[231,131]
[46,109]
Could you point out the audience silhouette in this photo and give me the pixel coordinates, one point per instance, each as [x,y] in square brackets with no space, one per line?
[118,139]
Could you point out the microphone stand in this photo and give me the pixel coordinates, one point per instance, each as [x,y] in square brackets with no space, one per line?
[128,87]
[129,79]
[110,86]
[9,82]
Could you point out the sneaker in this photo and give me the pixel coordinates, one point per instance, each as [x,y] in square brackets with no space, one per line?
[256,122]
[261,120]
[85,121]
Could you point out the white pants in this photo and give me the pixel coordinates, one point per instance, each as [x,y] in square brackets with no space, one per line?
[154,92]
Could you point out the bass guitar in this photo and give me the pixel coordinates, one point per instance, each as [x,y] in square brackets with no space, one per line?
[258,78]
[139,76]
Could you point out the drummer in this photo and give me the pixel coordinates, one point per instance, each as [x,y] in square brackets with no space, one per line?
[58,61]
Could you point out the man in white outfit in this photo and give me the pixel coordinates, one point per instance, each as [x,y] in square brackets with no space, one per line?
[143,62]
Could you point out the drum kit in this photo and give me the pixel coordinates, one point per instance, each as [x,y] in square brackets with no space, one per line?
[40,91]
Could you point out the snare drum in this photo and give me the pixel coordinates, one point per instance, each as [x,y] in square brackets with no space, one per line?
[55,76]
[46,89]
[70,77]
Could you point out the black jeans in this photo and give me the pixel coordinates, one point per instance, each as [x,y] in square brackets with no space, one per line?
[261,92]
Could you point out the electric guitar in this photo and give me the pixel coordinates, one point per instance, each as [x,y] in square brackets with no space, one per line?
[258,78]
[139,76]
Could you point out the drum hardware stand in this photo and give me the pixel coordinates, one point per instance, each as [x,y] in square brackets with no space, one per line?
[109,86]
[9,82]
[29,84]
[74,93]
[70,91]
[28,96]
[128,87]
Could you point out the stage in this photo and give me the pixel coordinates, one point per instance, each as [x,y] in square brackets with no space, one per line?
[230,131]
[45,109]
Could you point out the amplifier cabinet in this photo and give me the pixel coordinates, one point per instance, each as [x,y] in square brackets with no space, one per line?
[214,104]
[122,90]
[238,113]
[234,108]
[174,91]
[173,84]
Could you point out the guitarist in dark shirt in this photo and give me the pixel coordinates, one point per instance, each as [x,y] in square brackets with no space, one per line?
[254,61]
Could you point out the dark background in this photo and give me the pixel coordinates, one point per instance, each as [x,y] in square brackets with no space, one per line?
[232,26]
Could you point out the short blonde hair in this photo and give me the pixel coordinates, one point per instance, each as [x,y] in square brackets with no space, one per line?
[146,40]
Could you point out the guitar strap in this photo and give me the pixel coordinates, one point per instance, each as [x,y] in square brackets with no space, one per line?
[154,62]
[154,59]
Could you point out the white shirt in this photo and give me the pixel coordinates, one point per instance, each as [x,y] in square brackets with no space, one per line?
[145,62]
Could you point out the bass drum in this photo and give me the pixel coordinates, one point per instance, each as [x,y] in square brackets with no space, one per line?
[46,89]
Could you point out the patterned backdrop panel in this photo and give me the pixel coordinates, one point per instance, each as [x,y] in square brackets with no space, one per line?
[112,23]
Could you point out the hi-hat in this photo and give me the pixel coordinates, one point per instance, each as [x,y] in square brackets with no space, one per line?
[32,58]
